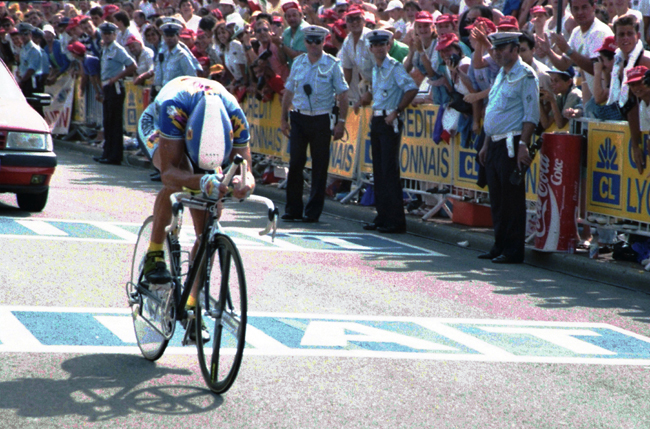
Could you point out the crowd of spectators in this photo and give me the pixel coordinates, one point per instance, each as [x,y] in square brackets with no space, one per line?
[251,44]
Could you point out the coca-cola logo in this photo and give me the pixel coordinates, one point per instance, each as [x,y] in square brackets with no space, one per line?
[542,189]
[556,177]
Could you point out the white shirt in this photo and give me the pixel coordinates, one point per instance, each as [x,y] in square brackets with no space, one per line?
[144,61]
[234,55]
[642,6]
[359,59]
[644,116]
[193,23]
[639,18]
[588,43]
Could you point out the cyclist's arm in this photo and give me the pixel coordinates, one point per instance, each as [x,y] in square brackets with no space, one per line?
[245,152]
[175,169]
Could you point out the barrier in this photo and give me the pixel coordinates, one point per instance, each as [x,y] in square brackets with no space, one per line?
[59,114]
[614,186]
[135,101]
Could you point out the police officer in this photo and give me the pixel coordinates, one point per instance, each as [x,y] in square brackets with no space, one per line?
[511,116]
[172,60]
[392,92]
[116,63]
[316,79]
[30,68]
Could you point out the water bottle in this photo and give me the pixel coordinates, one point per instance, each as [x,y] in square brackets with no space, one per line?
[594,246]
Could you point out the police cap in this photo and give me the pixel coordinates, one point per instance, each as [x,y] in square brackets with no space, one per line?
[504,37]
[379,36]
[171,28]
[25,28]
[316,31]
[108,28]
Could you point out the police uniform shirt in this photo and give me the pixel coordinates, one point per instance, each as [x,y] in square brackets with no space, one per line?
[389,83]
[176,62]
[325,77]
[45,63]
[514,98]
[30,58]
[115,59]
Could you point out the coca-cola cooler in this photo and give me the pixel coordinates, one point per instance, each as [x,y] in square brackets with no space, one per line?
[558,191]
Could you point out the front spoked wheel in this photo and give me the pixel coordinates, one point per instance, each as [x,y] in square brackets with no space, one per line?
[222,308]
[154,313]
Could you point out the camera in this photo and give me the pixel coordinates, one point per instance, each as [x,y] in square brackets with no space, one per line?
[454,59]
[265,55]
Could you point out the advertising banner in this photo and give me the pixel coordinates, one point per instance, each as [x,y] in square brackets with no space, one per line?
[264,123]
[365,157]
[343,152]
[134,105]
[79,104]
[59,114]
[558,192]
[614,185]
[420,157]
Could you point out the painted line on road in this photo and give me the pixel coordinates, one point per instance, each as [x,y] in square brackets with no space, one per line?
[108,330]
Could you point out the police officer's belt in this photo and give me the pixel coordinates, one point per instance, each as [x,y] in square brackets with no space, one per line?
[382,112]
[313,112]
[497,137]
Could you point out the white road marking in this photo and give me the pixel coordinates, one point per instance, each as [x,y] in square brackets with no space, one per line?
[260,340]
[120,326]
[42,228]
[116,230]
[560,337]
[13,334]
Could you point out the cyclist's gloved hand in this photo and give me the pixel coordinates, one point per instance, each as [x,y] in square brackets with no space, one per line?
[210,185]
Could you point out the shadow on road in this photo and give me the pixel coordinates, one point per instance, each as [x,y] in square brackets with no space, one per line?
[538,284]
[103,387]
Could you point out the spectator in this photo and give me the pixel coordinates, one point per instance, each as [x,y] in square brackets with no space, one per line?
[635,81]
[96,15]
[565,100]
[582,45]
[109,13]
[622,8]
[268,47]
[187,37]
[205,48]
[125,30]
[91,37]
[630,53]
[597,106]
[424,57]
[337,37]
[73,29]
[265,82]
[141,22]
[226,7]
[356,59]
[234,59]
[293,38]
[59,62]
[38,39]
[144,59]
[397,18]
[526,52]
[90,66]
[153,38]
[187,11]
[411,8]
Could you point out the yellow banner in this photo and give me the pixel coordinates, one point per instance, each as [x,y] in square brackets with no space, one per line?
[614,185]
[365,157]
[133,106]
[264,123]
[420,157]
[343,153]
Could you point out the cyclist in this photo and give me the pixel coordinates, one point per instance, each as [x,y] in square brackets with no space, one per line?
[190,129]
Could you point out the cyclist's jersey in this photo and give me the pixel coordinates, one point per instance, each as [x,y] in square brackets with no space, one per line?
[169,114]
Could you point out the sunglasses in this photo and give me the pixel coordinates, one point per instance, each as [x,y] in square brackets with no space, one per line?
[353,18]
[313,40]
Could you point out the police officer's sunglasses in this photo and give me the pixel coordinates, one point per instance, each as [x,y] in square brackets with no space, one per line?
[314,40]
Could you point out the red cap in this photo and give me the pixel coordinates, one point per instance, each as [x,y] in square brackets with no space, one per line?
[508,23]
[253,6]
[77,48]
[538,9]
[83,18]
[110,9]
[10,19]
[424,16]
[132,39]
[291,5]
[2,4]
[609,44]
[277,19]
[486,23]
[446,40]
[200,33]
[636,74]
[329,14]
[445,18]
[187,33]
[47,3]
[339,29]
[74,22]
[217,14]
[14,31]
[354,10]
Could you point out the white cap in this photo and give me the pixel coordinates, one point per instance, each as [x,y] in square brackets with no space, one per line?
[227,2]
[394,4]
[48,28]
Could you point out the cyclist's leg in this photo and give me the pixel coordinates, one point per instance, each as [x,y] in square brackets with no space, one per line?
[155,268]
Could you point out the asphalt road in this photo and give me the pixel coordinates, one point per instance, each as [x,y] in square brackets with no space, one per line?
[348,329]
